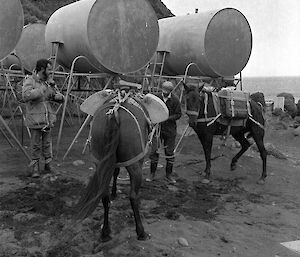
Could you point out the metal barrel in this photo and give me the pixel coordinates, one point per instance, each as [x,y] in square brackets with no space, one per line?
[219,42]
[32,45]
[118,36]
[11,25]
[11,62]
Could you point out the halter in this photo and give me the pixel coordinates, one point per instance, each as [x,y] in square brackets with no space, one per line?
[211,120]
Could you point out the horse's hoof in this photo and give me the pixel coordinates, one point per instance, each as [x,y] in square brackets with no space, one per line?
[113,197]
[205,181]
[106,238]
[143,237]
[233,166]
[261,181]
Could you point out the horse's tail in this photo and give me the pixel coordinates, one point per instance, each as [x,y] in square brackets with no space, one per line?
[99,182]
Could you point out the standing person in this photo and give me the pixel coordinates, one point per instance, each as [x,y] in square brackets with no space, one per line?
[38,89]
[168,132]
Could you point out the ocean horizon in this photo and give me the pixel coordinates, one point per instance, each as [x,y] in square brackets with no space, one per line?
[272,86]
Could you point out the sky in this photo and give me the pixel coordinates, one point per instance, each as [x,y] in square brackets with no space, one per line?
[275,26]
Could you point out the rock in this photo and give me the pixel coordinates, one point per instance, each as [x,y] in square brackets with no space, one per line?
[289,104]
[271,150]
[297,119]
[100,254]
[183,242]
[235,144]
[277,112]
[298,108]
[172,215]
[6,214]
[287,96]
[78,163]
[280,125]
[172,188]
[25,217]
[296,132]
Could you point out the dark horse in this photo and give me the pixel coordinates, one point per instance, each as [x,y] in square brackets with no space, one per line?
[118,139]
[195,110]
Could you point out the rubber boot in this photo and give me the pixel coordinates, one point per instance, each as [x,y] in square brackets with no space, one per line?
[36,170]
[169,170]
[153,167]
[48,168]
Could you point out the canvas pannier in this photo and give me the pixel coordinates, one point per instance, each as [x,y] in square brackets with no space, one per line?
[234,104]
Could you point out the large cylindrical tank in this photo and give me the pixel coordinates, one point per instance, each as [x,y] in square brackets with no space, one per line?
[11,62]
[32,45]
[117,36]
[11,25]
[219,42]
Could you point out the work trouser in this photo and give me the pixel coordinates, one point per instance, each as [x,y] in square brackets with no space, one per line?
[168,144]
[41,140]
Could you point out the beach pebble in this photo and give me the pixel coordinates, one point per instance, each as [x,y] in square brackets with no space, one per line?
[78,162]
[205,181]
[183,242]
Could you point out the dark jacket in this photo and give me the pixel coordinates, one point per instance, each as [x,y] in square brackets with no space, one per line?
[169,126]
[36,95]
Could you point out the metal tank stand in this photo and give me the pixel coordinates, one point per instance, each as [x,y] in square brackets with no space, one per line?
[72,79]
[86,121]
[10,132]
[159,61]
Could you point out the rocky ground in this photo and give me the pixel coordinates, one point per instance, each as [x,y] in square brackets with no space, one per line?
[231,216]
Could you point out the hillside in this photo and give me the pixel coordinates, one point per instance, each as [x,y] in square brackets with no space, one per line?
[40,10]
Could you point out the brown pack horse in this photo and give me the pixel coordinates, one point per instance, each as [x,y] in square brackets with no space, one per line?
[195,109]
[118,138]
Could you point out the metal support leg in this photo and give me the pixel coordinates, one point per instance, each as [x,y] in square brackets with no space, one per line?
[77,135]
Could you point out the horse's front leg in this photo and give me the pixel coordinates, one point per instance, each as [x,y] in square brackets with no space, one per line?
[114,186]
[135,173]
[206,141]
[105,235]
[258,137]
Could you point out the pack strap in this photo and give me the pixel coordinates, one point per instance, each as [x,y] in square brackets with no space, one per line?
[256,122]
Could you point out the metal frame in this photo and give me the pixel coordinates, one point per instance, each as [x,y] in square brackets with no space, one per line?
[72,79]
[8,87]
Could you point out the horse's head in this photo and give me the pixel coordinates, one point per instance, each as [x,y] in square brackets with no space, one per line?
[193,103]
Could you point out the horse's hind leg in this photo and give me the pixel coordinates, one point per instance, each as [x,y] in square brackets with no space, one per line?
[114,186]
[240,137]
[105,235]
[135,173]
[258,136]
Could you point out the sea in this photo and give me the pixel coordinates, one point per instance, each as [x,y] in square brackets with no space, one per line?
[271,86]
